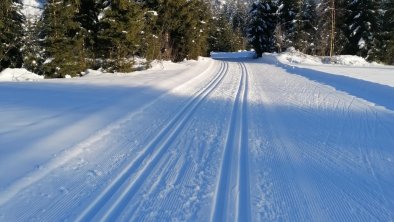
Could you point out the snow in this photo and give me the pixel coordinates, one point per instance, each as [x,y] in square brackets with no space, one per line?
[342,65]
[154,13]
[234,139]
[32,9]
[361,43]
[294,56]
[18,75]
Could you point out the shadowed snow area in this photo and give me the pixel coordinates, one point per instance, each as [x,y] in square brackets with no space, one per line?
[233,139]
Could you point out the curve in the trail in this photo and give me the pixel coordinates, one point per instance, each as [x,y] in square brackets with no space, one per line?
[121,190]
[236,149]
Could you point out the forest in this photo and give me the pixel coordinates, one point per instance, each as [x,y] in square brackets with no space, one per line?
[71,36]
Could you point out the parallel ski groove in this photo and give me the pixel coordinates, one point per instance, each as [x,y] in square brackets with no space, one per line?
[235,145]
[77,149]
[243,174]
[148,158]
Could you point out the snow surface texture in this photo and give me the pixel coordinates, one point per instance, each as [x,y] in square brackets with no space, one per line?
[228,140]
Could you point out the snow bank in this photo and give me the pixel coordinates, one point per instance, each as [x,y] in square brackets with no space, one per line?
[232,55]
[293,56]
[18,75]
[348,60]
[345,65]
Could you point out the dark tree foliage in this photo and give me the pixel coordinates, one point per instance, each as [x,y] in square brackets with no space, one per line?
[306,27]
[221,36]
[361,27]
[87,17]
[181,27]
[262,25]
[11,34]
[228,27]
[73,35]
[63,43]
[32,49]
[287,14]
[386,54]
[118,38]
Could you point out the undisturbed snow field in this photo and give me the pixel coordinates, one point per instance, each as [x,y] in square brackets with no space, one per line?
[213,140]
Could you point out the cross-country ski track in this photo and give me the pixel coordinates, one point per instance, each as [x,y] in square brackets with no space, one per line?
[220,140]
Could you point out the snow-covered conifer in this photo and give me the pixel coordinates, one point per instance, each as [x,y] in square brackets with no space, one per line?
[361,27]
[11,34]
[262,23]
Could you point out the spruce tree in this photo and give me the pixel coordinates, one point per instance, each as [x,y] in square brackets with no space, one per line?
[32,50]
[287,11]
[150,41]
[63,43]
[387,35]
[120,26]
[87,17]
[324,27]
[306,27]
[221,36]
[11,21]
[197,29]
[182,27]
[188,38]
[262,23]
[361,27]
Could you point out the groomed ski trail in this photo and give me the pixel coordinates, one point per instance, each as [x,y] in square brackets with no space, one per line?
[238,140]
[232,192]
[148,159]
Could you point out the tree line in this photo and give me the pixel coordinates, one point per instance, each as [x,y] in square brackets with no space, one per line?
[352,27]
[74,35]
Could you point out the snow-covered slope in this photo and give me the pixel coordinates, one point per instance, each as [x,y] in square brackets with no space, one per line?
[228,140]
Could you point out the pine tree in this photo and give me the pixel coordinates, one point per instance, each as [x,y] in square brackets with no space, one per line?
[32,49]
[262,23]
[361,27]
[197,29]
[324,27]
[63,39]
[87,17]
[11,21]
[182,27]
[306,27]
[150,41]
[119,33]
[221,36]
[287,11]
[387,32]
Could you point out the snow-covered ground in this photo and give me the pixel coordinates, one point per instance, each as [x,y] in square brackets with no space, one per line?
[12,75]
[209,140]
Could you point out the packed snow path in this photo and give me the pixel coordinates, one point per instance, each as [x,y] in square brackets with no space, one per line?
[229,140]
